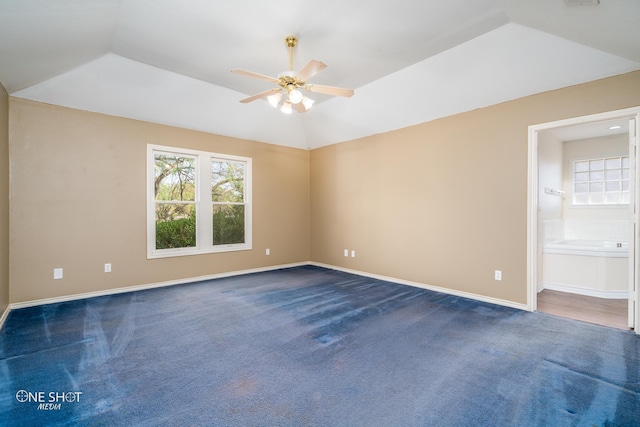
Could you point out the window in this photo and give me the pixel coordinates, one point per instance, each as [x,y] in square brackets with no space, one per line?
[603,181]
[198,202]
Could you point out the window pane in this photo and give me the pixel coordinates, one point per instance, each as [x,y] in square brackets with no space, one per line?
[228,224]
[625,197]
[596,165]
[581,166]
[625,185]
[596,187]
[612,186]
[174,177]
[227,181]
[613,174]
[625,173]
[625,162]
[596,199]
[175,225]
[596,176]
[582,176]
[581,188]
[613,163]
[612,198]
[581,199]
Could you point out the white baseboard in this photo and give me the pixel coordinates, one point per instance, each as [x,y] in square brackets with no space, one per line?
[448,291]
[114,291]
[583,291]
[4,316]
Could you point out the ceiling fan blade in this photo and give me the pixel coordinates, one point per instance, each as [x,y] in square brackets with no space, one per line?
[261,95]
[310,70]
[330,90]
[300,108]
[255,75]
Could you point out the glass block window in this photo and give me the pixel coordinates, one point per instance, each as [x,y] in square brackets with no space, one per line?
[602,181]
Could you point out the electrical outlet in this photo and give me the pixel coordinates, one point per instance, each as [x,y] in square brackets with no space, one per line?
[268,251]
[346,252]
[107,268]
[498,275]
[353,254]
[57,273]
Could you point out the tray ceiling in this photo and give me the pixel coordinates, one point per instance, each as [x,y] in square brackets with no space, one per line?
[169,61]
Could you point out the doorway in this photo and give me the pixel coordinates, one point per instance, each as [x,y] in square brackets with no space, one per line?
[550,192]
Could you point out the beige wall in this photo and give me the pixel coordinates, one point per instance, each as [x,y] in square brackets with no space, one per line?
[4,200]
[444,203]
[78,201]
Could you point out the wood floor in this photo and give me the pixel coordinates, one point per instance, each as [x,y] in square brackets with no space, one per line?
[607,312]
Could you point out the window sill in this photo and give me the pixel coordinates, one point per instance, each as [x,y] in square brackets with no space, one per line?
[625,206]
[195,251]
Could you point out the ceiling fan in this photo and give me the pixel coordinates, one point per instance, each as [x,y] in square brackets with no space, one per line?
[290,82]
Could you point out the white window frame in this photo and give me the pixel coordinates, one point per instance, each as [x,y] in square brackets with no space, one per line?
[203,202]
[603,181]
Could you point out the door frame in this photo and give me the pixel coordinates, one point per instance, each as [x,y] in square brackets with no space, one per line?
[532,208]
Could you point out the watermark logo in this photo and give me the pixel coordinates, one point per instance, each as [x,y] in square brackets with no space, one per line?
[22,396]
[48,401]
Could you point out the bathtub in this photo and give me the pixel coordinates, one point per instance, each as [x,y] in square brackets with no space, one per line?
[589,267]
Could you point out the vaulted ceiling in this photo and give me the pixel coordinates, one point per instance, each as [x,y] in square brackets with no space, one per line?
[409,61]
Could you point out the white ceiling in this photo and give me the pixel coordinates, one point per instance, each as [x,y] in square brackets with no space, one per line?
[409,61]
[587,130]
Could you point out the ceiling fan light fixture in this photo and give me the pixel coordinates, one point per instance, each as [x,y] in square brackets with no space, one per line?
[295,96]
[274,99]
[286,107]
[307,102]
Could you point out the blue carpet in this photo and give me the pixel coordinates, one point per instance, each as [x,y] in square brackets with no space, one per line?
[310,346]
